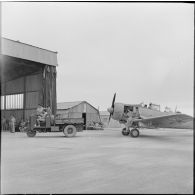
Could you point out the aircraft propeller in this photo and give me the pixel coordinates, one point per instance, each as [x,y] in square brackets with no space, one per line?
[111,110]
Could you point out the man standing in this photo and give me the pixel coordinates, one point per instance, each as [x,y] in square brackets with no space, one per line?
[137,114]
[12,124]
[41,114]
[40,110]
[129,116]
[3,123]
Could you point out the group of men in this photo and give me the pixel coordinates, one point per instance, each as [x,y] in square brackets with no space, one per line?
[130,115]
[41,113]
[8,124]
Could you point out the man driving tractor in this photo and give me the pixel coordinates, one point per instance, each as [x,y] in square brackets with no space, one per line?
[42,113]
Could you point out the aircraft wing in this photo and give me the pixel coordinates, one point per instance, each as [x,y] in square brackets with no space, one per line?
[168,121]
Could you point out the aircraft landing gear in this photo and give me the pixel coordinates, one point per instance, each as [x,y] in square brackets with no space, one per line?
[125,131]
[134,133]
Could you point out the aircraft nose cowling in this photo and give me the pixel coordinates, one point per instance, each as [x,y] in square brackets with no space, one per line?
[110,110]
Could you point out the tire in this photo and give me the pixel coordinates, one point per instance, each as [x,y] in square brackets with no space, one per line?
[31,133]
[70,131]
[125,132]
[134,133]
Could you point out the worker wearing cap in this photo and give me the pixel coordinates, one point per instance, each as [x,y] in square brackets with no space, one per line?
[40,110]
[40,114]
[12,124]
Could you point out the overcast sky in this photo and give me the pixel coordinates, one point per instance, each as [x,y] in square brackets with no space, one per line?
[141,51]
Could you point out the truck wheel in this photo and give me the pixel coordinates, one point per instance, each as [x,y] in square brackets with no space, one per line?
[70,131]
[134,133]
[125,132]
[31,133]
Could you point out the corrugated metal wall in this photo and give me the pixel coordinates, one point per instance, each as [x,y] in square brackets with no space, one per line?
[76,112]
[36,88]
[32,99]
[34,82]
[33,86]
[9,88]
[92,114]
[15,86]
[30,87]
[63,113]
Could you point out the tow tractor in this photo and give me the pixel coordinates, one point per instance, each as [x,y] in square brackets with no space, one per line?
[69,126]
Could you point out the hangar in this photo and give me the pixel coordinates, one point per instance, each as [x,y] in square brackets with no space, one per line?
[79,109]
[28,78]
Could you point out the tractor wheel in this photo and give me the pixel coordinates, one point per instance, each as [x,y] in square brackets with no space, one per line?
[70,131]
[134,133]
[125,132]
[31,133]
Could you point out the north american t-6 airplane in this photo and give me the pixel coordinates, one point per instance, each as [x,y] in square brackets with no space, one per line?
[136,116]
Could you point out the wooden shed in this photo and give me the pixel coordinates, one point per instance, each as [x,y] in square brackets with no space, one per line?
[28,78]
[79,109]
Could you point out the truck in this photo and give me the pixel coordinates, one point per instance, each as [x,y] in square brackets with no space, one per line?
[69,126]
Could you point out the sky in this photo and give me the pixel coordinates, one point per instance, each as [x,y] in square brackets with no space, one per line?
[142,51]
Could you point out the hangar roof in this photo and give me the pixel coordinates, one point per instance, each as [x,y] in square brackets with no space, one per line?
[20,59]
[68,105]
[25,51]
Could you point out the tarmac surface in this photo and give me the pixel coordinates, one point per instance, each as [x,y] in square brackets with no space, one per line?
[98,161]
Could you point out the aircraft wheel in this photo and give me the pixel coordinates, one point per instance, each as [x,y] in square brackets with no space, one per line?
[125,132]
[134,133]
[70,131]
[31,133]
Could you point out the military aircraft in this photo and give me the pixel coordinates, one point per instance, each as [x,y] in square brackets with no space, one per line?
[135,116]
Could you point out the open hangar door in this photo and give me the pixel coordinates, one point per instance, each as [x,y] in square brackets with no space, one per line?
[25,83]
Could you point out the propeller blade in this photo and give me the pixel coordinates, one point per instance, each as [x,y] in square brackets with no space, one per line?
[113,100]
[112,106]
[109,119]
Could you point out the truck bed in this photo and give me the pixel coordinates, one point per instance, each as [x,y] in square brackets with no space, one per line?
[69,121]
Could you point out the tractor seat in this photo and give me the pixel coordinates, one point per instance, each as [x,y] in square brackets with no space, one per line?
[49,120]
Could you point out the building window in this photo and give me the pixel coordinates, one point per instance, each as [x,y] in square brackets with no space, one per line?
[14,101]
[2,102]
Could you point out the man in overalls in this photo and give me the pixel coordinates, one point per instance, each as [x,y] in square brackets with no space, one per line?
[131,116]
[40,114]
[12,124]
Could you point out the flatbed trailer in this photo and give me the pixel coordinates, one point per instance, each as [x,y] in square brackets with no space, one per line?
[69,126]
